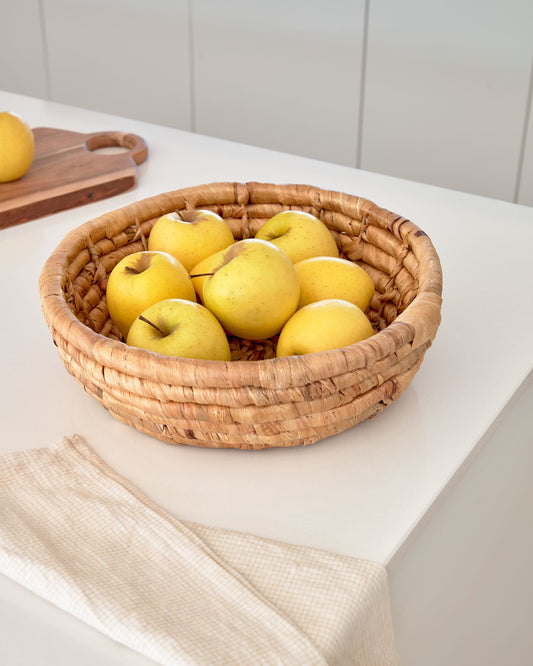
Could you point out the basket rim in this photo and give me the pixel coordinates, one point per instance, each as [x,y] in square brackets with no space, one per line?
[416,325]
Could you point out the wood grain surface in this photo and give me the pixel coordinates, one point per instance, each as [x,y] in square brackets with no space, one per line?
[70,170]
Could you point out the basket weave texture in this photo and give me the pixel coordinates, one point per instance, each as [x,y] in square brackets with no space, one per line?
[255,401]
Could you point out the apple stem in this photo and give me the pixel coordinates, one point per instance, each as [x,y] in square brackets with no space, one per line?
[130,269]
[199,275]
[147,321]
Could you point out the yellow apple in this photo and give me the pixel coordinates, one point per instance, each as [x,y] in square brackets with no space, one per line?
[333,277]
[254,289]
[17,147]
[141,279]
[299,234]
[190,236]
[328,324]
[177,327]
[203,270]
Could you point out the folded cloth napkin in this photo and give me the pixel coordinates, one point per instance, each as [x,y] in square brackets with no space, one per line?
[84,538]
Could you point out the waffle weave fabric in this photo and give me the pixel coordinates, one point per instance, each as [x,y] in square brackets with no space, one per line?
[78,534]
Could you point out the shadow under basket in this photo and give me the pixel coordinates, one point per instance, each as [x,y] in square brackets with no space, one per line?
[255,401]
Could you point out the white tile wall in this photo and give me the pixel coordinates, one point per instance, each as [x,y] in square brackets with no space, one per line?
[443,86]
[128,57]
[285,75]
[446,91]
[22,53]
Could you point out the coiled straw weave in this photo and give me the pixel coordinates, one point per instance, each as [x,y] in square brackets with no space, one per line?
[255,401]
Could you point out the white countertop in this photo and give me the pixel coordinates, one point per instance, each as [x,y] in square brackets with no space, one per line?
[359,493]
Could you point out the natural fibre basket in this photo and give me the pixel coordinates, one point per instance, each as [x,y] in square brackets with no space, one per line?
[255,401]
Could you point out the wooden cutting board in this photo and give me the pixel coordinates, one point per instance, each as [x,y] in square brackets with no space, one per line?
[68,170]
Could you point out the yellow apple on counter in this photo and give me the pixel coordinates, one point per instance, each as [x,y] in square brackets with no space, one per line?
[141,279]
[17,146]
[178,327]
[334,277]
[253,290]
[190,235]
[299,234]
[328,324]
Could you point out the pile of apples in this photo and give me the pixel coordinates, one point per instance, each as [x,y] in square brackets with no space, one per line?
[196,285]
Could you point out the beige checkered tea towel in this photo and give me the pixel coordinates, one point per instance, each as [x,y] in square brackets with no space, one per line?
[76,533]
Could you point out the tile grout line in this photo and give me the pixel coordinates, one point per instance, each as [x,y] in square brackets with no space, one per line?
[522,152]
[362,86]
[192,71]
[46,58]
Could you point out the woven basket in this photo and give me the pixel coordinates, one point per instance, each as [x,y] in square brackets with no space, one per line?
[255,401]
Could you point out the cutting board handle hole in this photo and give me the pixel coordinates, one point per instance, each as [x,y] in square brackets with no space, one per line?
[109,150]
[118,142]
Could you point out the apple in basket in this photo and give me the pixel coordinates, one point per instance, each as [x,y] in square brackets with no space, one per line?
[190,235]
[299,234]
[323,325]
[252,290]
[334,277]
[141,279]
[203,270]
[178,327]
